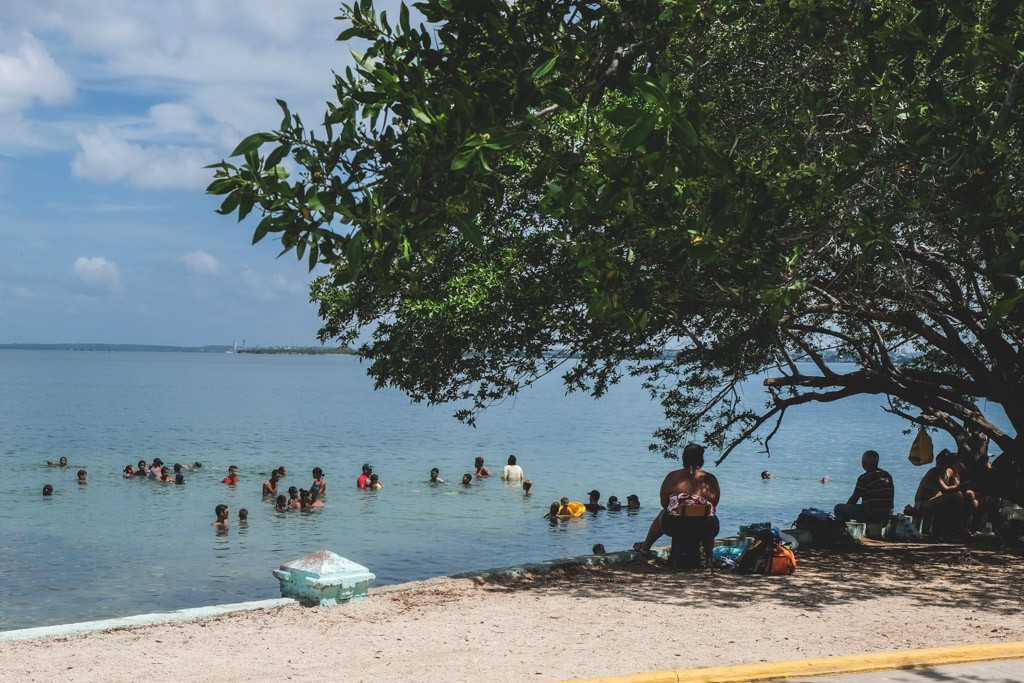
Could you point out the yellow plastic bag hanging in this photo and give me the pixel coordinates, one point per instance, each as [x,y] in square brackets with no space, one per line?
[921,451]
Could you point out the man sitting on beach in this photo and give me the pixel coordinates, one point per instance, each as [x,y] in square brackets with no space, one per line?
[875,492]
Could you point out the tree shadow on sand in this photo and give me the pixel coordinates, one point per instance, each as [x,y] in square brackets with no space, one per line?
[936,574]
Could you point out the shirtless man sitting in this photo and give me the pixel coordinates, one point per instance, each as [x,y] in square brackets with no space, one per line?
[687,492]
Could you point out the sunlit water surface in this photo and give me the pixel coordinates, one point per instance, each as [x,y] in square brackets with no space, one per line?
[119,547]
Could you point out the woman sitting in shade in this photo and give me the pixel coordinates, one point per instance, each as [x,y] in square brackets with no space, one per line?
[689,498]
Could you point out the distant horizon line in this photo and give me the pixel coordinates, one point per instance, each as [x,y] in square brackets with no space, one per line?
[126,347]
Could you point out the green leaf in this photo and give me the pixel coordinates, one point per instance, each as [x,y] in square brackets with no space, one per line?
[403,17]
[1001,47]
[462,160]
[1003,308]
[624,116]
[563,98]
[420,115]
[685,128]
[252,143]
[469,230]
[544,69]
[639,131]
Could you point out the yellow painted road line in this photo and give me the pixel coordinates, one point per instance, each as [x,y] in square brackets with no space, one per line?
[824,666]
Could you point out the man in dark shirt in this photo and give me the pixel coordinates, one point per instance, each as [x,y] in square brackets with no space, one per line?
[874,490]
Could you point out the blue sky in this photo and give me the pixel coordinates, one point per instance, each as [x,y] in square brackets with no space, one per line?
[109,111]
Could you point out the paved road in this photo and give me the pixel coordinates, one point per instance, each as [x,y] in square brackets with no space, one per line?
[1000,671]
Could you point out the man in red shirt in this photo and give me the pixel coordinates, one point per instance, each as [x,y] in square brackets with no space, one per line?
[232,477]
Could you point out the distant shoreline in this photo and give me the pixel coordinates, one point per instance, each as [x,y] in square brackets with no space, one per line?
[216,348]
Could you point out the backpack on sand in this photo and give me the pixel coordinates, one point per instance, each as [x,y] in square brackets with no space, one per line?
[767,555]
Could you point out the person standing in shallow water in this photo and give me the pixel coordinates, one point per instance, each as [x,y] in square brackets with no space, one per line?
[481,470]
[319,485]
[270,486]
[222,513]
[512,471]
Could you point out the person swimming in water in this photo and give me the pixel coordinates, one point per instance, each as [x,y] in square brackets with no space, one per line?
[129,472]
[63,462]
[179,478]
[83,477]
[243,516]
[222,512]
[270,485]
[467,479]
[435,476]
[481,470]
[282,504]
[47,490]
[319,485]
[375,482]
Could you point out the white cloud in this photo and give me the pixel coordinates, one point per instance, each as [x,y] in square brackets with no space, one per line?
[105,157]
[270,286]
[200,262]
[97,272]
[28,74]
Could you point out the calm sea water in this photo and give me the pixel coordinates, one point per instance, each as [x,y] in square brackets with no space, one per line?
[118,547]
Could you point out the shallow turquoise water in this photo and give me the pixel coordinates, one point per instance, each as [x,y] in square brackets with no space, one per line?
[118,547]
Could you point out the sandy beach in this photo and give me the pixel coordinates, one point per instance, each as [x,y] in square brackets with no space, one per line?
[576,622]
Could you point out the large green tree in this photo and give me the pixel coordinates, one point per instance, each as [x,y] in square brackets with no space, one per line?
[693,192]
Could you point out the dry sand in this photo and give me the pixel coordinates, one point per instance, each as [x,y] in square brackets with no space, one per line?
[576,622]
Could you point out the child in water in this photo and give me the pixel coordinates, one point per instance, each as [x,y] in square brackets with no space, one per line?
[375,482]
[526,487]
[467,479]
[282,504]
[82,477]
[243,516]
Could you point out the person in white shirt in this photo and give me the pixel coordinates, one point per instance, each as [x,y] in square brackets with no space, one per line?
[512,471]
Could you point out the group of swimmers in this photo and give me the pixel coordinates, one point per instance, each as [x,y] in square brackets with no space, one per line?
[568,508]
[159,472]
[83,476]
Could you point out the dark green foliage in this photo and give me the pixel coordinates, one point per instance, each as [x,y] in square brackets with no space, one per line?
[515,189]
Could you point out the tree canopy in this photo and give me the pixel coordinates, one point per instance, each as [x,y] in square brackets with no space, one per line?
[692,192]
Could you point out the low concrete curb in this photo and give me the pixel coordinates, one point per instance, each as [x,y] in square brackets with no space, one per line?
[805,668]
[547,566]
[177,616]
